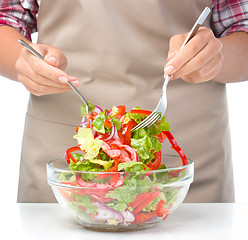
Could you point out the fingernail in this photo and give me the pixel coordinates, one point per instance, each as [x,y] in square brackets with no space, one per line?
[169,69]
[63,79]
[51,60]
[75,83]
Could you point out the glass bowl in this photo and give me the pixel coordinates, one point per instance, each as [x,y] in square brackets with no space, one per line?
[120,201]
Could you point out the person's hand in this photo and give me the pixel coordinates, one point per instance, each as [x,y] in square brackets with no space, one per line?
[199,61]
[44,77]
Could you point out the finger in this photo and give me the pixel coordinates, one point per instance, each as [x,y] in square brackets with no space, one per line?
[39,89]
[175,44]
[41,67]
[53,56]
[29,72]
[55,60]
[202,58]
[206,73]
[195,45]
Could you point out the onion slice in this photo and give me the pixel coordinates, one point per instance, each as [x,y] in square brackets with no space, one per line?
[116,137]
[84,124]
[90,124]
[98,109]
[105,213]
[112,133]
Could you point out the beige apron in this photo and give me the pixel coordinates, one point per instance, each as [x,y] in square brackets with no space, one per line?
[118,50]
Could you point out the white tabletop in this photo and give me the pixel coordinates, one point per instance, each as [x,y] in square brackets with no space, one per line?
[190,221]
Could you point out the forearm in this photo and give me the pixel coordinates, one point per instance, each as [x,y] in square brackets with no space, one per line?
[235,58]
[9,51]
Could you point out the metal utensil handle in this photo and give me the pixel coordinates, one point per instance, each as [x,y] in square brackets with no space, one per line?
[196,26]
[191,34]
[79,94]
[26,45]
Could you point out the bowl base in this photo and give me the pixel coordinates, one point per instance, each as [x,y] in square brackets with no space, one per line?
[109,228]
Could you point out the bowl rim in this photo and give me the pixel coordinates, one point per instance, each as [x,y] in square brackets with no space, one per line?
[189,165]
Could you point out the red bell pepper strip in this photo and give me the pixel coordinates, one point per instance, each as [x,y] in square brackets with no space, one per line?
[167,214]
[139,199]
[154,165]
[159,209]
[127,131]
[146,201]
[68,155]
[141,112]
[120,136]
[114,168]
[144,217]
[175,146]
[174,173]
[161,137]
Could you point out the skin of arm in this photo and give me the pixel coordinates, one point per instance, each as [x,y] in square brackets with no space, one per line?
[235,58]
[206,57]
[10,51]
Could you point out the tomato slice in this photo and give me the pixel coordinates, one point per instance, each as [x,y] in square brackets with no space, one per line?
[102,136]
[118,111]
[107,123]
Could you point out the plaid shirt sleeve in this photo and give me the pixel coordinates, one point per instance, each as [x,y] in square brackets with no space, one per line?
[20,14]
[229,16]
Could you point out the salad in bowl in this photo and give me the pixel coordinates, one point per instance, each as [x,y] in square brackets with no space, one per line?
[116,179]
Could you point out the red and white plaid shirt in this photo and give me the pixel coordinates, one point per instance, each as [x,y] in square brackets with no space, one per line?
[228,16]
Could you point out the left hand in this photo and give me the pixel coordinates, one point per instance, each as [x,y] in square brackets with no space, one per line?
[199,61]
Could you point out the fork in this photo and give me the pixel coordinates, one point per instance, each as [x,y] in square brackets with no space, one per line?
[34,52]
[159,111]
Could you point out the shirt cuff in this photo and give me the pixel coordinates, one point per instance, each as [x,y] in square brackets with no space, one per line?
[239,27]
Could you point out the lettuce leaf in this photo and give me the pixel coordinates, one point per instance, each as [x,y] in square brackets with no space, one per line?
[87,143]
[116,122]
[128,192]
[98,123]
[135,116]
[86,201]
[132,166]
[83,108]
[156,128]
[106,164]
[141,143]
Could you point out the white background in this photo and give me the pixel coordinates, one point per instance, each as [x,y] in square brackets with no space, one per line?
[14,99]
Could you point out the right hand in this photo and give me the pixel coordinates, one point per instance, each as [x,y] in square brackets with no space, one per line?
[44,77]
